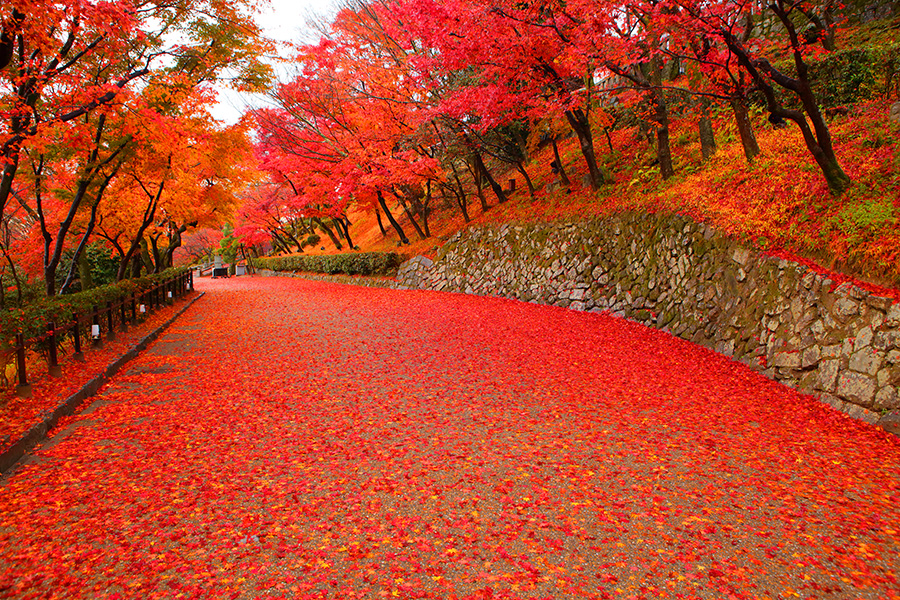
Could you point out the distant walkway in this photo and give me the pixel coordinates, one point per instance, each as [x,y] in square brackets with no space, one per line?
[296,439]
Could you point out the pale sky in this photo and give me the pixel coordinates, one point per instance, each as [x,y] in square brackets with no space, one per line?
[282,21]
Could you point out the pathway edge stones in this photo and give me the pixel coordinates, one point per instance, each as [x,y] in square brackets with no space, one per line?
[10,457]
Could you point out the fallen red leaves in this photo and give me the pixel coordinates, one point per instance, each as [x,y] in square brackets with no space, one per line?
[289,439]
[18,415]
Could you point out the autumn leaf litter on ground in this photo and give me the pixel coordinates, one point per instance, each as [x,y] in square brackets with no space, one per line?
[297,439]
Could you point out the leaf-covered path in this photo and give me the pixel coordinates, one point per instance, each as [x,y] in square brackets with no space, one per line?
[292,439]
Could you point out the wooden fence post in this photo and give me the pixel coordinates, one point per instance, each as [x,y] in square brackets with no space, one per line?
[76,336]
[24,388]
[96,337]
[53,368]
[123,326]
[110,331]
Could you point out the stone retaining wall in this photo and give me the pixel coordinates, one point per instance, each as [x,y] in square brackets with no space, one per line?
[838,342]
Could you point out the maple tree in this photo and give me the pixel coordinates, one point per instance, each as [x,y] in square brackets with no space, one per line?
[70,105]
[519,62]
[730,24]
[199,245]
[185,172]
[345,131]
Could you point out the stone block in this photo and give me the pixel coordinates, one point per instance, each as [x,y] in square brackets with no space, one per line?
[879,302]
[857,388]
[786,360]
[642,315]
[863,338]
[844,308]
[886,340]
[828,375]
[808,279]
[892,318]
[861,414]
[887,398]
[866,361]
[832,401]
[890,422]
[810,357]
[725,347]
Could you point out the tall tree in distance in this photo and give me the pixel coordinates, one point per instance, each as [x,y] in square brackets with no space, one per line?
[726,23]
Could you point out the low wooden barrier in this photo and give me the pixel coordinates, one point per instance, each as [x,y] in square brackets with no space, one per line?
[102,322]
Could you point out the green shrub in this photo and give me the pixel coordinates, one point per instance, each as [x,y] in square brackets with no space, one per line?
[355,263]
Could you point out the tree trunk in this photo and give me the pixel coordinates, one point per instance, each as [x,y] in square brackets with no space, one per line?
[175,242]
[145,257]
[521,169]
[279,244]
[410,216]
[579,123]
[498,190]
[344,230]
[76,258]
[154,252]
[479,189]
[460,193]
[609,145]
[559,165]
[293,239]
[136,266]
[338,228]
[84,274]
[15,276]
[707,135]
[394,223]
[819,145]
[745,128]
[380,224]
[817,137]
[663,148]
[329,232]
[7,176]
[422,208]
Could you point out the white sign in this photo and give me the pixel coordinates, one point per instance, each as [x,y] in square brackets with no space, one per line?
[170,294]
[95,331]
[143,309]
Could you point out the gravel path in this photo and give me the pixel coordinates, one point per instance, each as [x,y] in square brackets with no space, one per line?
[296,439]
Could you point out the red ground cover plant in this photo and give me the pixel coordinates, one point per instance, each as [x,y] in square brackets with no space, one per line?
[291,439]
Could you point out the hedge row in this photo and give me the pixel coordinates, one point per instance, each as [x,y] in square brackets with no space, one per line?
[32,320]
[356,263]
